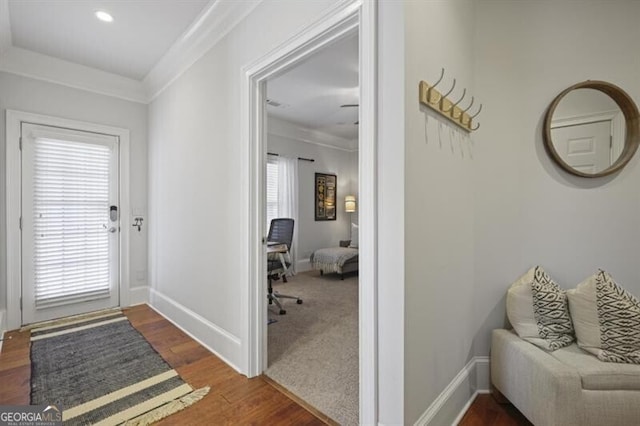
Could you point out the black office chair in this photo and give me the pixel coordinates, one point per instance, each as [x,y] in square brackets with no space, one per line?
[280,231]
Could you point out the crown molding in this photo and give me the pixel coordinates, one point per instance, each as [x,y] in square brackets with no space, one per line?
[286,129]
[217,19]
[47,68]
[5,26]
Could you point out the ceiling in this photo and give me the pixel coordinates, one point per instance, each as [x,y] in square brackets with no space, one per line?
[150,41]
[139,36]
[312,93]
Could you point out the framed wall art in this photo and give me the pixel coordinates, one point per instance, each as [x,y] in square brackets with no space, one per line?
[325,196]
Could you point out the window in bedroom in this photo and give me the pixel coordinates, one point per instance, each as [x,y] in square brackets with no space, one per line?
[272,189]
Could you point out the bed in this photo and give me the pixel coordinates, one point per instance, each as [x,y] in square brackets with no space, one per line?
[340,260]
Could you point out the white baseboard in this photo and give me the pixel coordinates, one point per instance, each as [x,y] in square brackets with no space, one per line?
[220,342]
[483,376]
[138,295]
[451,405]
[303,265]
[2,326]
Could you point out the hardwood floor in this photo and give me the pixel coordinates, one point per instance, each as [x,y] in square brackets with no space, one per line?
[233,398]
[486,411]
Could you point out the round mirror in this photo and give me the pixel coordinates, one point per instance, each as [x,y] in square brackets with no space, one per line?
[592,129]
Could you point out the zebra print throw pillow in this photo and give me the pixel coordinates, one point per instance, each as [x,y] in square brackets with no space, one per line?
[619,318]
[550,308]
[538,311]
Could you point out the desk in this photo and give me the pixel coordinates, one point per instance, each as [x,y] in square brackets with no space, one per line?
[281,249]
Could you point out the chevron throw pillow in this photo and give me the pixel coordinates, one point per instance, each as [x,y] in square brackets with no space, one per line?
[619,318]
[538,310]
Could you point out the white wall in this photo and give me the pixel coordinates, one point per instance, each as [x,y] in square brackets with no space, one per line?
[439,205]
[29,95]
[474,225]
[284,139]
[528,211]
[196,163]
[390,205]
[584,102]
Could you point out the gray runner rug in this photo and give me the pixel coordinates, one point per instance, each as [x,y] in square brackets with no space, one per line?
[102,371]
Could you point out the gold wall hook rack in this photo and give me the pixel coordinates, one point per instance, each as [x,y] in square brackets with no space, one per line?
[452,111]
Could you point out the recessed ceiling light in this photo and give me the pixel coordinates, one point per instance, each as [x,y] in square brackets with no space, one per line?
[104,16]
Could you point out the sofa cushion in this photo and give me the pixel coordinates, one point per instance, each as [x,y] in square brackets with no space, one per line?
[598,375]
[538,311]
[606,318]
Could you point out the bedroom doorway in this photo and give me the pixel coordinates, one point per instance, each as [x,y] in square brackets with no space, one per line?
[343,20]
[311,183]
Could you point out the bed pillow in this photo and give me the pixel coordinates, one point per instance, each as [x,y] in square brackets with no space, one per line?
[606,318]
[354,236]
[538,310]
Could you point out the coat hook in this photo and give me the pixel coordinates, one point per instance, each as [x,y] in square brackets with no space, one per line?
[137,223]
[476,114]
[448,109]
[464,92]
[439,80]
[470,105]
[450,90]
[432,87]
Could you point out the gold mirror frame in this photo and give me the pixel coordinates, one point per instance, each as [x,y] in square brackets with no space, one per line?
[632,126]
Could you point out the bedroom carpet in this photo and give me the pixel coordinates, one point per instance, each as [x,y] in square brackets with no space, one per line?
[313,349]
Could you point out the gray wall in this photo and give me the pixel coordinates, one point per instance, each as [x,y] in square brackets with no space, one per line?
[528,211]
[29,95]
[314,235]
[196,163]
[474,225]
[439,205]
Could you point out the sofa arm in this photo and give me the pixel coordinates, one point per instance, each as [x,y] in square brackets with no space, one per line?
[545,390]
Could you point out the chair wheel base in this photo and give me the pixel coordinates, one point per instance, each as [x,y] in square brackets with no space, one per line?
[282,312]
[299,301]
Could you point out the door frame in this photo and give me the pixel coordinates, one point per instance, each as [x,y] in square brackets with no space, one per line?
[13,164]
[343,19]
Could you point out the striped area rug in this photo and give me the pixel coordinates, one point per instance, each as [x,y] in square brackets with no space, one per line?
[102,371]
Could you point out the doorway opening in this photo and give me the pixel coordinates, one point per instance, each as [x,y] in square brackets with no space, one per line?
[343,20]
[311,184]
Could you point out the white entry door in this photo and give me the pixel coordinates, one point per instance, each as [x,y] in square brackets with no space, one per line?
[70,222]
[585,147]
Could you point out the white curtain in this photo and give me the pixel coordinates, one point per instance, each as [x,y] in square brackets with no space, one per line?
[288,198]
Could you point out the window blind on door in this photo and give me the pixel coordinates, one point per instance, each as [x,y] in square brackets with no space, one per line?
[70,220]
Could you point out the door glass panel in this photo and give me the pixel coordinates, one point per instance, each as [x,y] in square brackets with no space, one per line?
[70,216]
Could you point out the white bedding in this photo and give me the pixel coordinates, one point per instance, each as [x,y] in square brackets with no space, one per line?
[333,259]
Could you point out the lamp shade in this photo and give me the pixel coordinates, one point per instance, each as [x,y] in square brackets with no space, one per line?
[350,203]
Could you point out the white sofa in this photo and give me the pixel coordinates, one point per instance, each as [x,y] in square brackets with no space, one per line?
[567,387]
